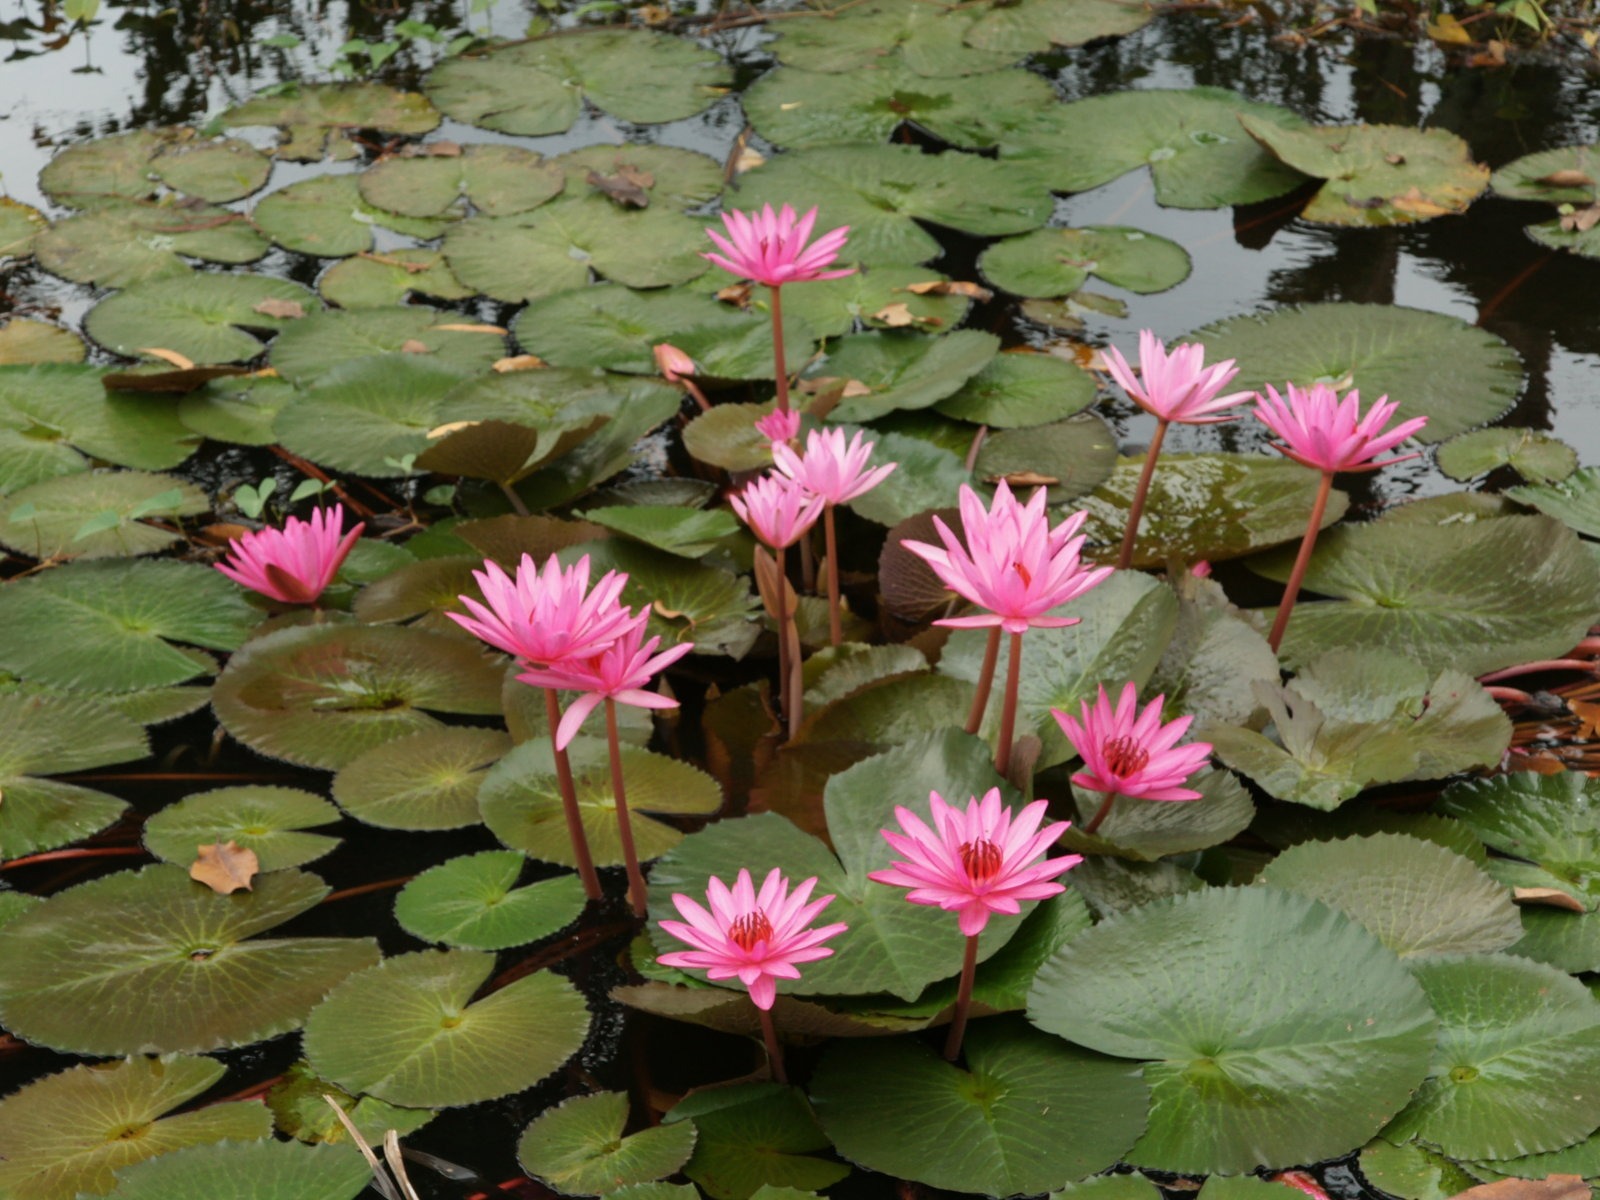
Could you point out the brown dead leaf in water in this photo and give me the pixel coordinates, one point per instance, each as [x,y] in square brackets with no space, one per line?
[1565,179]
[460,327]
[1588,719]
[1552,1187]
[1581,220]
[180,361]
[282,310]
[895,316]
[518,362]
[1024,479]
[1547,898]
[412,346]
[225,867]
[737,294]
[1414,202]
[628,187]
[950,287]
[443,150]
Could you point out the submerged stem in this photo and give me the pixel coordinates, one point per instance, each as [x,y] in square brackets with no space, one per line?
[636,892]
[1125,556]
[781,369]
[1301,561]
[958,1021]
[569,802]
[774,1051]
[835,618]
[980,698]
[1008,710]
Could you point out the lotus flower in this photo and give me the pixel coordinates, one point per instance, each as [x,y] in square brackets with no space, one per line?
[294,564]
[1321,431]
[1175,386]
[672,362]
[779,425]
[771,248]
[550,616]
[620,672]
[778,510]
[831,469]
[757,938]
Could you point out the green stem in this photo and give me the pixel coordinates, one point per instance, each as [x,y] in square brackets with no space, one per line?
[1125,557]
[636,892]
[1301,561]
[958,1021]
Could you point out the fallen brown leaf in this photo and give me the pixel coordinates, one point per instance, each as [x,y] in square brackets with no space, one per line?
[854,387]
[412,346]
[621,188]
[518,362]
[444,149]
[895,316]
[1582,220]
[1547,897]
[220,533]
[458,327]
[225,867]
[168,356]
[1024,479]
[1588,715]
[1552,1187]
[736,294]
[1565,179]
[950,287]
[1413,201]
[283,310]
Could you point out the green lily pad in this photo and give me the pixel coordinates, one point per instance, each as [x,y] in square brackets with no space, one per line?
[927,39]
[521,800]
[326,216]
[688,602]
[1537,457]
[216,170]
[903,371]
[881,192]
[14,904]
[267,820]
[835,671]
[1146,830]
[685,532]
[299,1110]
[1110,886]
[669,176]
[203,317]
[409,1032]
[1580,1158]
[52,1148]
[637,407]
[98,514]
[527,719]
[1056,262]
[264,1170]
[1412,1172]
[426,780]
[1019,390]
[19,224]
[1570,941]
[315,347]
[239,409]
[877,297]
[1565,177]
[1419,898]
[1198,154]
[1549,820]
[1210,666]
[804,109]
[420,593]
[1377,174]
[315,117]
[579,1149]
[474,902]
[539,87]
[107,168]
[1132,1186]
[726,436]
[321,695]
[925,477]
[384,281]
[1244,1075]
[1358,717]
[754,1138]
[1473,597]
[495,179]
[1027,1114]
[1518,1042]
[1430,364]
[1033,26]
[175,956]
[1575,501]
[1069,458]
[122,243]
[24,342]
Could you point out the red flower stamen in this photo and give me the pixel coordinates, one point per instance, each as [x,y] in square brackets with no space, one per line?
[748,930]
[981,859]
[1125,756]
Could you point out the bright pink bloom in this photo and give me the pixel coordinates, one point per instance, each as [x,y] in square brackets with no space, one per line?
[1201,570]
[976,862]
[672,362]
[1328,434]
[1130,752]
[831,469]
[1176,386]
[779,425]
[549,616]
[620,671]
[756,938]
[1017,567]
[294,564]
[778,510]
[771,248]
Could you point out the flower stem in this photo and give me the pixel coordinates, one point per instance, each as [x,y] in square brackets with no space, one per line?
[1008,710]
[1125,557]
[958,1021]
[699,396]
[782,603]
[774,1051]
[779,366]
[980,699]
[1100,813]
[835,618]
[1301,561]
[636,892]
[569,801]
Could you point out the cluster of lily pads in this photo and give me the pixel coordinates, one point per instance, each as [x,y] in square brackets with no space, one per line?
[1370,933]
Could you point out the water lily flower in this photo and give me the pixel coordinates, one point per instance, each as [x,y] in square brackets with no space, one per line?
[1127,751]
[984,860]
[757,938]
[672,362]
[779,425]
[1327,434]
[548,616]
[295,564]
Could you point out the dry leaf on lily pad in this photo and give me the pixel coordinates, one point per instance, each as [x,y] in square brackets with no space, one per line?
[225,867]
[283,309]
[1553,1187]
[1551,897]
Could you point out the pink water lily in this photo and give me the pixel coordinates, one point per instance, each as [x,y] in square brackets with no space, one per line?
[671,361]
[779,425]
[546,616]
[770,248]
[778,510]
[1176,385]
[621,671]
[295,564]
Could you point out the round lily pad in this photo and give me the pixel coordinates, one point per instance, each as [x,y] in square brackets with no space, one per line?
[926,476]
[24,342]
[321,695]
[667,176]
[119,244]
[1018,390]
[927,39]
[1518,1042]
[1068,458]
[175,955]
[1568,940]
[521,800]
[239,409]
[539,87]
[879,297]
[326,216]
[202,317]
[1027,1114]
[408,1030]
[496,179]
[316,117]
[215,169]
[1552,821]
[299,1110]
[19,224]
[579,1149]
[726,436]
[260,1170]
[1575,501]
[52,1148]
[1249,1062]
[1055,262]
[902,370]
[1412,1171]
[318,345]
[685,532]
[1430,364]
[108,168]
[1537,457]
[473,902]
[1033,26]
[385,280]
[98,514]
[426,780]
[755,1139]
[266,820]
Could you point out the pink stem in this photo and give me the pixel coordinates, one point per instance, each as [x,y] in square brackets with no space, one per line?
[1100,813]
[1533,668]
[1301,561]
[958,1021]
[980,698]
[781,601]
[1510,695]
[1136,510]
[636,890]
[835,617]
[569,802]
[780,367]
[774,1051]
[1008,710]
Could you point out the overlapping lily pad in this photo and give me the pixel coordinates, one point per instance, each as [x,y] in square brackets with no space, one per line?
[108,168]
[925,477]
[1147,830]
[98,514]
[1574,501]
[880,297]
[926,38]
[121,243]
[474,902]
[1537,457]
[150,962]
[1550,822]
[327,216]
[1056,262]
[902,370]
[318,118]
[666,176]
[261,1170]
[386,280]
[270,821]
[578,1147]
[24,342]
[495,179]
[299,1110]
[685,532]
[688,602]
[1068,458]
[204,317]
[318,345]
[754,1139]
[1033,26]
[1566,177]
[19,224]
[425,780]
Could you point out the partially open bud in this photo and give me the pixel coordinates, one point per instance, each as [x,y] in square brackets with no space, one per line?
[672,362]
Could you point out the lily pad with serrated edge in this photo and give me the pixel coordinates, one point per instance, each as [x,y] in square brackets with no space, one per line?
[1198,154]
[1419,898]
[1474,597]
[685,532]
[881,192]
[1537,457]
[267,820]
[24,342]
[1249,1063]
[1033,26]
[52,1148]
[425,780]
[521,800]
[1056,262]
[1575,501]
[1210,666]
[473,902]
[202,317]
[1518,1044]
[408,1030]
[1020,390]
[1432,365]
[420,593]
[670,176]
[299,1110]
[1549,820]
[801,109]
[122,243]
[925,476]
[1131,1186]
[878,297]
[1146,830]
[263,1170]
[539,87]
[321,695]
[98,514]
[116,167]
[1027,1113]
[385,280]
[19,224]
[326,216]
[323,342]
[925,38]
[1068,458]
[215,170]
[726,436]
[495,179]
[1377,174]
[14,904]
[1111,886]
[239,409]
[1568,940]
[1412,1172]
[1580,1158]
[903,370]
[317,118]
[638,407]
[175,956]
[579,1149]
[754,1138]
